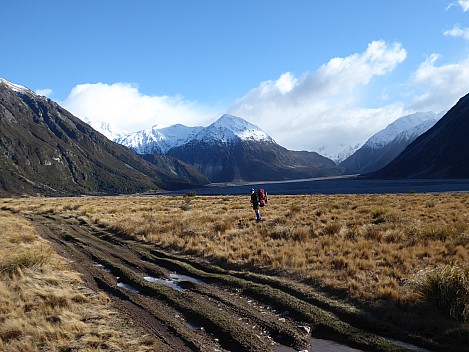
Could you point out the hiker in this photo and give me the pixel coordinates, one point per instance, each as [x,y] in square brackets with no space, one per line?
[258,199]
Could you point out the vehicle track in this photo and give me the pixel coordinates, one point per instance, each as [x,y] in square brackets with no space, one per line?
[210,308]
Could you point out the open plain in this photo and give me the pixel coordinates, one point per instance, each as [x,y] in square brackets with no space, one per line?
[374,272]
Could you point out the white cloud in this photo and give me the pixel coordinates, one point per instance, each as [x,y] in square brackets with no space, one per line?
[439,87]
[286,83]
[47,92]
[457,31]
[464,4]
[123,106]
[321,110]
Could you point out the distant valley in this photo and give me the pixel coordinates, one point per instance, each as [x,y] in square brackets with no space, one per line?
[45,150]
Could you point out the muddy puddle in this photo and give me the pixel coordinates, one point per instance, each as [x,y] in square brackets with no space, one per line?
[166,282]
[176,281]
[319,345]
[178,278]
[409,346]
[127,287]
[102,267]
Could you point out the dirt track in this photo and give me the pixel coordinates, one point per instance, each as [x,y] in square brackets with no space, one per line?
[190,305]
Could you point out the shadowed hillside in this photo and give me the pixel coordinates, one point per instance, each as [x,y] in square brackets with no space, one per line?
[441,152]
[46,150]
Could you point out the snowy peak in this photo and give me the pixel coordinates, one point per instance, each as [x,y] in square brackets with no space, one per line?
[226,129]
[233,123]
[176,134]
[158,140]
[387,144]
[107,129]
[16,87]
[410,124]
[415,131]
[229,127]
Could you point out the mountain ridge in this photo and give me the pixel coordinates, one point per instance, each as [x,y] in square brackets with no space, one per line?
[230,149]
[46,150]
[387,144]
[440,152]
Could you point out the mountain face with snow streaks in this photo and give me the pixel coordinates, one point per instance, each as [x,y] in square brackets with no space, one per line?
[158,140]
[440,152]
[230,149]
[387,144]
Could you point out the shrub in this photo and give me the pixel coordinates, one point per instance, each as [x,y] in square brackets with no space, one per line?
[331,229]
[447,288]
[185,207]
[301,234]
[280,232]
[378,216]
[352,232]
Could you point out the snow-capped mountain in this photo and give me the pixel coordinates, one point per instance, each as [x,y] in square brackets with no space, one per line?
[411,125]
[16,87]
[107,129]
[338,153]
[229,149]
[440,152]
[228,128]
[387,144]
[156,140]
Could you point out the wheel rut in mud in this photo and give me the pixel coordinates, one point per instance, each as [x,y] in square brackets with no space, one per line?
[190,305]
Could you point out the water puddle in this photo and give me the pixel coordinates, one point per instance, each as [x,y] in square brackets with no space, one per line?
[409,346]
[193,325]
[166,282]
[320,345]
[127,287]
[175,281]
[103,267]
[178,278]
[330,346]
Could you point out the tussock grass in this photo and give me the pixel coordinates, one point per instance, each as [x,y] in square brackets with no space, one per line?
[45,307]
[22,258]
[447,288]
[368,246]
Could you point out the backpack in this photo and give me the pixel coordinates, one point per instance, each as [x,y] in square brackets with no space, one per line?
[262,196]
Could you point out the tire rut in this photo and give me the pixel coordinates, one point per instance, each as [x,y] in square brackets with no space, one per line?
[210,309]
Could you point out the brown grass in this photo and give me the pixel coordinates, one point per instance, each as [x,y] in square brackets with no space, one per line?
[45,307]
[370,246]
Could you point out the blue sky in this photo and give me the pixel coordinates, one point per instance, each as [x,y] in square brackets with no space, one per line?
[315,74]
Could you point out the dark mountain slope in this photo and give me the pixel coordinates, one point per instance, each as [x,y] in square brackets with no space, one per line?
[252,161]
[441,152]
[46,150]
[384,146]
